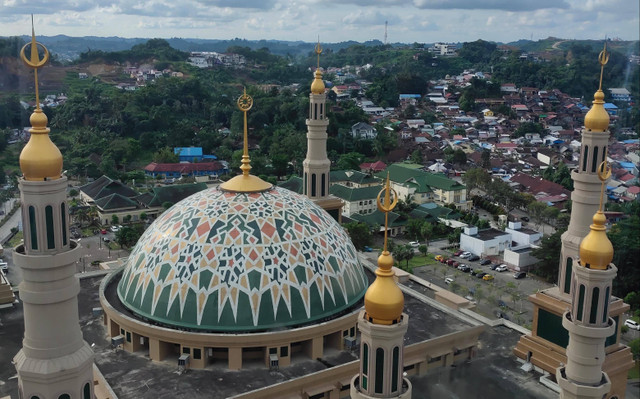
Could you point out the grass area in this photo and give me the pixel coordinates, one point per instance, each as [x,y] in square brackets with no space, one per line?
[17,239]
[417,261]
[634,373]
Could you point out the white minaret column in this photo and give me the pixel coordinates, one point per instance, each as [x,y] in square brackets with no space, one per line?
[382,326]
[316,166]
[54,362]
[586,193]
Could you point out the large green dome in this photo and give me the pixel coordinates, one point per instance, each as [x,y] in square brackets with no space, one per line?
[225,261]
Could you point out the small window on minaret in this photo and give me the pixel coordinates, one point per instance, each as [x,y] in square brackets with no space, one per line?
[32,228]
[585,157]
[315,111]
[595,298]
[63,214]
[567,275]
[324,184]
[594,164]
[48,216]
[313,184]
[580,302]
[605,313]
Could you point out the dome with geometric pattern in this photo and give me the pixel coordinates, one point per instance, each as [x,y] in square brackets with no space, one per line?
[239,262]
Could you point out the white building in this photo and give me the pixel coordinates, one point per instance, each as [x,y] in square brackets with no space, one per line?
[484,242]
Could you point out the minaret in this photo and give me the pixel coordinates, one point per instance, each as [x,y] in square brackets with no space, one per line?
[316,165]
[586,194]
[588,321]
[55,361]
[382,326]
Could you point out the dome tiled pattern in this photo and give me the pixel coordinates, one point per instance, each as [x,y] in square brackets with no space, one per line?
[224,261]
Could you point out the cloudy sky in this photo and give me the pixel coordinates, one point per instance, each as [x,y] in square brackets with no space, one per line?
[333,20]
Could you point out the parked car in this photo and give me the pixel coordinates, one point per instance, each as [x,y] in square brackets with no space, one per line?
[450,262]
[368,249]
[464,268]
[465,255]
[487,277]
[439,258]
[524,219]
[4,266]
[106,239]
[455,264]
[494,266]
[632,324]
[485,262]
[103,231]
[448,280]
[458,253]
[444,260]
[519,275]
[115,228]
[501,268]
[474,258]
[481,274]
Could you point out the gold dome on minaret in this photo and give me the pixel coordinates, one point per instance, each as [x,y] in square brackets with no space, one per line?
[597,119]
[40,159]
[317,86]
[384,301]
[596,251]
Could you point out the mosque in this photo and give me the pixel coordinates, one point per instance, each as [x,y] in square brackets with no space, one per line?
[249,275]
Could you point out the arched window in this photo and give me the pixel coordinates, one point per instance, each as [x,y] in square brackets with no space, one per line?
[64,396]
[321,111]
[315,111]
[595,298]
[379,369]
[605,313]
[86,391]
[567,275]
[365,365]
[594,161]
[394,369]
[580,302]
[32,228]
[306,179]
[48,217]
[585,157]
[323,189]
[63,214]
[313,184]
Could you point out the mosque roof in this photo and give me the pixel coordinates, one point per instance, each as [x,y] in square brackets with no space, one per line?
[235,261]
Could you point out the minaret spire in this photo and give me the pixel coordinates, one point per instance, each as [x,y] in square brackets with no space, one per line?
[382,326]
[587,194]
[316,165]
[54,359]
[245,182]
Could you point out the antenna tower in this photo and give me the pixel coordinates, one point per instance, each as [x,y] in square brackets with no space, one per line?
[386,23]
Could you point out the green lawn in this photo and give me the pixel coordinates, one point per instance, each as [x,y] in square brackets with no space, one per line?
[418,261]
[15,240]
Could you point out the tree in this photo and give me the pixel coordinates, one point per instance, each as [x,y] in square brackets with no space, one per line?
[423,250]
[549,254]
[535,210]
[115,219]
[143,216]
[73,193]
[403,252]
[476,178]
[360,234]
[165,155]
[426,232]
[416,156]
[414,228]
[459,157]
[634,345]
[485,159]
[633,299]
[350,161]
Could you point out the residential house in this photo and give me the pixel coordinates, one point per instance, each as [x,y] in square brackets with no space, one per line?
[620,94]
[191,154]
[363,130]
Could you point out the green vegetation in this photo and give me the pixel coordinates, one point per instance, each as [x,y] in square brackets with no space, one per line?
[158,49]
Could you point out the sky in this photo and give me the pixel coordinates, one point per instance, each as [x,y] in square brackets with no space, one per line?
[423,21]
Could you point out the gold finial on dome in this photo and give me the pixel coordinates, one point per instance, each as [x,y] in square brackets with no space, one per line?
[597,119]
[317,86]
[596,251]
[384,302]
[40,159]
[245,183]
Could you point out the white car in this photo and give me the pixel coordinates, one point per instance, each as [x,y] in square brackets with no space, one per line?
[115,228]
[414,244]
[501,268]
[634,325]
[465,255]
